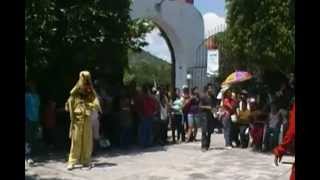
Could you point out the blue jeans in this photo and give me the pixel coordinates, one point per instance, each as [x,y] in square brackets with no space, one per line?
[226,121]
[145,132]
[193,120]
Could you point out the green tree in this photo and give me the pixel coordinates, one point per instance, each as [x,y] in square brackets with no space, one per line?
[64,37]
[260,35]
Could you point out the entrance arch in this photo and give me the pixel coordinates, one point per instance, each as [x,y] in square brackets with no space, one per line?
[182,23]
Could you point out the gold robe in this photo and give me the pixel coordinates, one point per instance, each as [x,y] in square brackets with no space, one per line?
[80,107]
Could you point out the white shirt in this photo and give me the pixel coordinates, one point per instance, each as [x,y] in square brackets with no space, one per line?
[94,115]
[274,119]
[163,112]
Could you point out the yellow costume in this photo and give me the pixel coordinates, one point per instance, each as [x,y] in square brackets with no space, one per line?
[82,101]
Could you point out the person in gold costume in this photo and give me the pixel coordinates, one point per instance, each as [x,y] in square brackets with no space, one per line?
[81,103]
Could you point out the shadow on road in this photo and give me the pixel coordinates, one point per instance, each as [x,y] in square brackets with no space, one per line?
[103,164]
[285,162]
[56,156]
[133,151]
[218,148]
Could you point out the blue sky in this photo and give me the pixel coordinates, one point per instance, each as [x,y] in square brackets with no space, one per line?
[215,6]
[215,13]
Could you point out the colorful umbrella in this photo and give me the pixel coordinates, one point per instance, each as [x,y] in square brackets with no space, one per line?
[238,76]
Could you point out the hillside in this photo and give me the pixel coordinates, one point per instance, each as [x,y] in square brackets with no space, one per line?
[144,68]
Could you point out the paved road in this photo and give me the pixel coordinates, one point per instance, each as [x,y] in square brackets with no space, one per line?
[176,162]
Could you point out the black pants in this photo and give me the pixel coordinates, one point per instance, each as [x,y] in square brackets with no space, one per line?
[156,130]
[164,130]
[244,138]
[235,133]
[206,130]
[125,137]
[185,125]
[177,124]
[48,136]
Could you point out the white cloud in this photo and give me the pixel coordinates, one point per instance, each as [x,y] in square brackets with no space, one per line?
[213,23]
[157,45]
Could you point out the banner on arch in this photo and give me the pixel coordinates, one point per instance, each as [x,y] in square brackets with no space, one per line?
[212,61]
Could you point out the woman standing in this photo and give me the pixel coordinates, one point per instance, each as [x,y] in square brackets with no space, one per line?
[164,117]
[257,124]
[81,103]
[243,124]
[228,109]
[186,103]
[176,120]
[193,115]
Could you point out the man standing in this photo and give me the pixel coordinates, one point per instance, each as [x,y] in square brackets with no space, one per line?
[32,101]
[149,111]
[206,120]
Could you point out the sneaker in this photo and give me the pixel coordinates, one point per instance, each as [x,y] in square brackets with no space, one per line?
[70,167]
[229,147]
[30,161]
[204,149]
[88,166]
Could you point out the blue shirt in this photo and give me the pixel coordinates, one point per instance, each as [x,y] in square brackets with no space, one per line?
[32,106]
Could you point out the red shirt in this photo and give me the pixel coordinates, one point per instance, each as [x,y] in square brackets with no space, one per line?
[138,103]
[229,104]
[149,106]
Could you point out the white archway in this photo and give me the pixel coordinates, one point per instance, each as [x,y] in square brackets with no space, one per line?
[182,23]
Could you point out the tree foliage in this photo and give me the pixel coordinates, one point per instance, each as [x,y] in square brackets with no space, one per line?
[259,36]
[64,37]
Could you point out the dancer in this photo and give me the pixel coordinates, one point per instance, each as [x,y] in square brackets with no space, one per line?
[81,103]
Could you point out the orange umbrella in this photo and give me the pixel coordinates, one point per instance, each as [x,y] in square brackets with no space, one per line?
[238,76]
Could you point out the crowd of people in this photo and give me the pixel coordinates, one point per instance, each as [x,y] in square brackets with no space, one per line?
[147,114]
